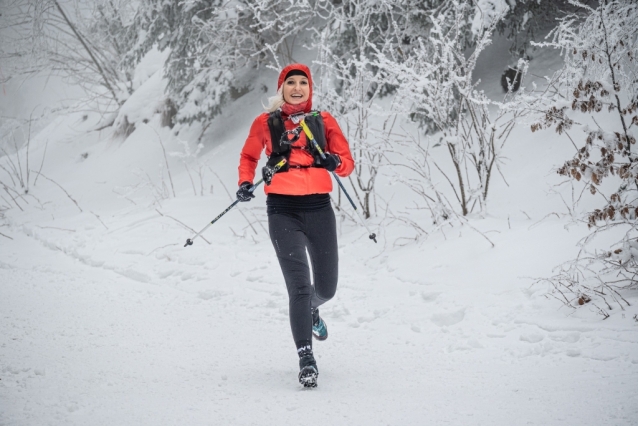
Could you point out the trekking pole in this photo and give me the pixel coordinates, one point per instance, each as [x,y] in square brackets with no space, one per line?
[308,133]
[189,241]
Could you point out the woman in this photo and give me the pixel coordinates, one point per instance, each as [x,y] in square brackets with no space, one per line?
[300,216]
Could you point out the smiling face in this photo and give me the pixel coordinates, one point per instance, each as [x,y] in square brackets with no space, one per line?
[296,89]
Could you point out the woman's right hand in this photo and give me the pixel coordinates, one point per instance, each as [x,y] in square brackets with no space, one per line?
[244,192]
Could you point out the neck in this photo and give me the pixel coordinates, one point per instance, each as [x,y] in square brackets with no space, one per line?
[290,109]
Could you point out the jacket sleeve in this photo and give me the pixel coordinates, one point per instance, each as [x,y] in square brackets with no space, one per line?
[250,153]
[336,143]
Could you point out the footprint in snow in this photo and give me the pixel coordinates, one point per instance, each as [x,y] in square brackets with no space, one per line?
[567,338]
[165,274]
[572,353]
[208,295]
[369,318]
[532,337]
[469,345]
[448,318]
[429,297]
[134,252]
[134,275]
[271,304]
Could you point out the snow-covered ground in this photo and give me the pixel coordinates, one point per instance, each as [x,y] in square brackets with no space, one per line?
[106,319]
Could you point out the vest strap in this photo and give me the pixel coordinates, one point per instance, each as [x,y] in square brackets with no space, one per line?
[282,148]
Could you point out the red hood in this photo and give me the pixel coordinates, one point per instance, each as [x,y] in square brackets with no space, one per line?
[306,70]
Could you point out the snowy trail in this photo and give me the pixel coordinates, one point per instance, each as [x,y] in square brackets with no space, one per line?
[82,345]
[105,319]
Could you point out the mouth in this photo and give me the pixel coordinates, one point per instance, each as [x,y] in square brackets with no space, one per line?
[296,95]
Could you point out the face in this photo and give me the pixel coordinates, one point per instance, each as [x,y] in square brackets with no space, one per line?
[296,89]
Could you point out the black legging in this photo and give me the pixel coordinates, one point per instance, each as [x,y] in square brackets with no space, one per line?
[295,227]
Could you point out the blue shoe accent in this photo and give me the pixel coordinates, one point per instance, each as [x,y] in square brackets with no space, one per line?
[319,328]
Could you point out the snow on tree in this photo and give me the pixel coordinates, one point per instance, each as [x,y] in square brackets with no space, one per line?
[528,21]
[357,87]
[599,80]
[211,45]
[435,87]
[83,43]
[352,87]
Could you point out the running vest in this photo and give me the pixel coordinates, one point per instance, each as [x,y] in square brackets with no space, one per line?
[283,150]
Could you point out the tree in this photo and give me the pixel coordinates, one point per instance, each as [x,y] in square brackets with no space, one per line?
[352,86]
[355,83]
[527,21]
[83,44]
[599,80]
[435,87]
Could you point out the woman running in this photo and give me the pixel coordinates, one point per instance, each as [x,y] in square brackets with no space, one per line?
[300,217]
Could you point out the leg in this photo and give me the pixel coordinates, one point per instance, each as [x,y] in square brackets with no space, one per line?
[289,240]
[321,231]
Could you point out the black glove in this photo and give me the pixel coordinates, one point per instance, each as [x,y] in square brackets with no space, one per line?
[331,162]
[244,193]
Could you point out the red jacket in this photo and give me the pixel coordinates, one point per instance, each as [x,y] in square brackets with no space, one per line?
[305,181]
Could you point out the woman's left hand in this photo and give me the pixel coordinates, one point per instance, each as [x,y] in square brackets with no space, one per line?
[331,162]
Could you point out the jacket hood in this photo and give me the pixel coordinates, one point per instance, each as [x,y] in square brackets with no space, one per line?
[305,70]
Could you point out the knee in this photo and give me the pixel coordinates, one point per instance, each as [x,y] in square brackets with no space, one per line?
[299,290]
[326,289]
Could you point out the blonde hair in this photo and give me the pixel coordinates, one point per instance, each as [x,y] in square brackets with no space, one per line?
[275,102]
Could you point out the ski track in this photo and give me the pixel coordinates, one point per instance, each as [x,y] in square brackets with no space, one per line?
[84,342]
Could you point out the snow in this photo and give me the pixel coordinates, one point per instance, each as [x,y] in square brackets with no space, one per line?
[146,101]
[488,11]
[206,339]
[149,65]
[107,319]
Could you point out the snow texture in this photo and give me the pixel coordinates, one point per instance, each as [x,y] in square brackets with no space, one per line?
[106,319]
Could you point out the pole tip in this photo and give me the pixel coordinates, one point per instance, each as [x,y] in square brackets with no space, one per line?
[373,237]
[189,242]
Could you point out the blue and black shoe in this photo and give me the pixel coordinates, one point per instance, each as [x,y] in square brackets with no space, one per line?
[319,328]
